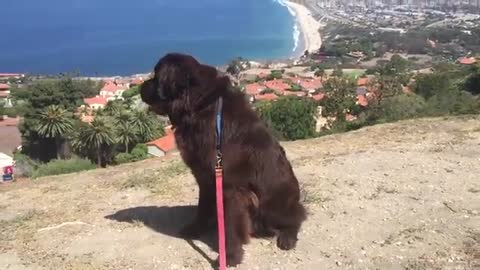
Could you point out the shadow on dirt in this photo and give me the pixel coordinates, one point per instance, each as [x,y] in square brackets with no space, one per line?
[169,221]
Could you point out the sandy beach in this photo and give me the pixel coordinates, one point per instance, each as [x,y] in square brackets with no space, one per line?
[308,26]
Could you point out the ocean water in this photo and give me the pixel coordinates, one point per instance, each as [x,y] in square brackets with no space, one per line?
[122,37]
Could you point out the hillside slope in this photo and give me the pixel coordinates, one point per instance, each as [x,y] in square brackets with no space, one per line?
[395,196]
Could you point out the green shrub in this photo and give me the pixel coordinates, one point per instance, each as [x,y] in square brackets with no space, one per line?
[131,92]
[24,165]
[402,107]
[292,117]
[452,102]
[140,151]
[56,167]
[124,158]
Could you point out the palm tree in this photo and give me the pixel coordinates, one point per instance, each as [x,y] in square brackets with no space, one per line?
[147,125]
[95,136]
[114,107]
[55,123]
[126,135]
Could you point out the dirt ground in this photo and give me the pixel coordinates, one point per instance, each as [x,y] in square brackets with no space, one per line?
[395,196]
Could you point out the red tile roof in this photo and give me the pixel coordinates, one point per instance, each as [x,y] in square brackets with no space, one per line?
[311,84]
[4,86]
[277,85]
[318,97]
[266,97]
[362,81]
[467,60]
[166,143]
[111,88]
[95,101]
[350,118]
[4,94]
[253,88]
[362,100]
[136,81]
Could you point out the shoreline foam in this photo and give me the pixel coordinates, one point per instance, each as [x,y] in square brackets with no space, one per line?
[309,27]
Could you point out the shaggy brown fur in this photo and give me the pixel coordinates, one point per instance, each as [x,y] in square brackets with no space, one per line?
[261,192]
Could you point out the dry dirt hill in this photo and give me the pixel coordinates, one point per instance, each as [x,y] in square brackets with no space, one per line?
[395,196]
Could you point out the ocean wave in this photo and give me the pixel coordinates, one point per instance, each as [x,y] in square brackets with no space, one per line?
[296,37]
[296,30]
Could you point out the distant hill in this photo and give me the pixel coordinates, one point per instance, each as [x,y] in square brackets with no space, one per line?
[397,196]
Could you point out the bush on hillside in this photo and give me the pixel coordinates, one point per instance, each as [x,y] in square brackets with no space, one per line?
[139,152]
[57,167]
[131,92]
[24,165]
[123,158]
[402,107]
[292,117]
[452,102]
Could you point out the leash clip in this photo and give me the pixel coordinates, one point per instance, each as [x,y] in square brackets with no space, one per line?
[219,163]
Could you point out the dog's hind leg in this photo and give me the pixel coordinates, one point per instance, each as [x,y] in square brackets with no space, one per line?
[286,218]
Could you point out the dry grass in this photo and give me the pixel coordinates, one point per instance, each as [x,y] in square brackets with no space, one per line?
[157,181]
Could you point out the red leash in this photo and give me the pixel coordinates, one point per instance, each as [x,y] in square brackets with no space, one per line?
[219,190]
[220,220]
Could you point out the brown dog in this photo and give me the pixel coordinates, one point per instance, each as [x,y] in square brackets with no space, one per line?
[261,192]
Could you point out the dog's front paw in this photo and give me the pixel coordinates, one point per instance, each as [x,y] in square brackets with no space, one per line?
[286,241]
[233,259]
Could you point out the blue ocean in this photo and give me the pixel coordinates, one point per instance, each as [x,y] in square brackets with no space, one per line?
[122,37]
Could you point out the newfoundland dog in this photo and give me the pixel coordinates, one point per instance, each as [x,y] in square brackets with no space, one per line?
[261,192]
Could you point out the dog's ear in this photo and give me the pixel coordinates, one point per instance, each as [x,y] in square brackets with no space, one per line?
[175,73]
[210,87]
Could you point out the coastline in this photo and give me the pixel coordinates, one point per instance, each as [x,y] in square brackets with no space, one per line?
[309,27]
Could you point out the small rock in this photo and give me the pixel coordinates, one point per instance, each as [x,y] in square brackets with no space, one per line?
[410,241]
[398,243]
[338,263]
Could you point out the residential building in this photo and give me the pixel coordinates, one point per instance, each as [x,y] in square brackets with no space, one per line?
[96,103]
[253,89]
[162,146]
[467,61]
[113,90]
[278,85]
[10,135]
[136,82]
[310,85]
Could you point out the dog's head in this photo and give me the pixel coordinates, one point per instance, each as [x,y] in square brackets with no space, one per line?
[181,85]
